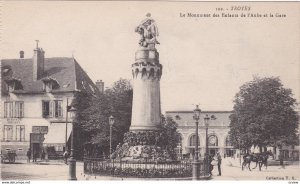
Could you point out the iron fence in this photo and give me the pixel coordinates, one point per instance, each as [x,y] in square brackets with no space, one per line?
[141,169]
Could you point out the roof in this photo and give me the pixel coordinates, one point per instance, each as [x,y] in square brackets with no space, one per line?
[185,118]
[66,71]
[179,112]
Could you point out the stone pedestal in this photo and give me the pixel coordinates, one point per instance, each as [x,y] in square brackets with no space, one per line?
[146,71]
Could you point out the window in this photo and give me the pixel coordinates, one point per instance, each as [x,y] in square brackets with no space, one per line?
[213,117]
[193,140]
[46,109]
[212,140]
[227,141]
[14,109]
[58,108]
[177,117]
[8,132]
[47,86]
[19,109]
[53,108]
[8,109]
[20,132]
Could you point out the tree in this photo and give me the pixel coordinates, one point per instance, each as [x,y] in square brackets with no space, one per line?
[119,100]
[263,115]
[169,136]
[93,113]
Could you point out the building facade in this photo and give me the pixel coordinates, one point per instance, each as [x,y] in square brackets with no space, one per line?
[35,93]
[218,138]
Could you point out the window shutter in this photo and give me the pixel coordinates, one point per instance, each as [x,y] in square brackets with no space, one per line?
[22,109]
[5,109]
[60,109]
[51,109]
[22,132]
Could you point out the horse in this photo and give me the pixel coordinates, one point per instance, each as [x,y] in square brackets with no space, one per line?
[248,158]
[263,159]
[259,158]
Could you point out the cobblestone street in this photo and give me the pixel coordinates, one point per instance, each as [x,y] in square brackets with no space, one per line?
[59,171]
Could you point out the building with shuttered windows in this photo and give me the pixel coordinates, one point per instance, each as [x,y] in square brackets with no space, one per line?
[34,96]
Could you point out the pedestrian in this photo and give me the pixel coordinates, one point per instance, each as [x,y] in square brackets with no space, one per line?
[281,160]
[28,155]
[34,156]
[219,158]
[210,164]
[43,155]
[207,162]
[66,155]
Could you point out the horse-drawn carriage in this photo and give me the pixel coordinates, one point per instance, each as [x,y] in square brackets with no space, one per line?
[8,156]
[259,158]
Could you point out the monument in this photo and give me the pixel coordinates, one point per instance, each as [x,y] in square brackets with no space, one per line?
[142,140]
[146,71]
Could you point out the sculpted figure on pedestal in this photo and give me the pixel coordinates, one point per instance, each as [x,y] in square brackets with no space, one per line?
[148,31]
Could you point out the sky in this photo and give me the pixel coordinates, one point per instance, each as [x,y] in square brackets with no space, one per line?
[205,60]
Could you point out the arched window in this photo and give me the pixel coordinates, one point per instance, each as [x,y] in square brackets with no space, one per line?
[227,141]
[213,140]
[193,140]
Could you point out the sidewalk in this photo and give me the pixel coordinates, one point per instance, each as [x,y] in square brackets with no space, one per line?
[232,162]
[41,162]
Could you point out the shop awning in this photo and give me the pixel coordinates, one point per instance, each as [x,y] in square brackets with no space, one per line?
[57,133]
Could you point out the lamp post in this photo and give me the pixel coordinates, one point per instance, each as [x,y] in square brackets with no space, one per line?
[206,120]
[111,122]
[196,163]
[72,160]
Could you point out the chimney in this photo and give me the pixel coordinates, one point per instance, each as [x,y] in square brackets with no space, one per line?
[100,85]
[21,54]
[38,62]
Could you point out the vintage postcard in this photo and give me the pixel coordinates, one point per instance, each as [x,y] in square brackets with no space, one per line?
[149,91]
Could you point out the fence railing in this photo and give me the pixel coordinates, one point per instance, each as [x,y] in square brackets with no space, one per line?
[142,169]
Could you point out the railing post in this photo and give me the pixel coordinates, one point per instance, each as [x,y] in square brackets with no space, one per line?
[113,168]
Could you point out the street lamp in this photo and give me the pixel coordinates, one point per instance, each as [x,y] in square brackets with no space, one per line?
[206,120]
[196,163]
[111,122]
[72,160]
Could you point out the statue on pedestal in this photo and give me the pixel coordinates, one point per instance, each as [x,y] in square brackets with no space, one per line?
[148,31]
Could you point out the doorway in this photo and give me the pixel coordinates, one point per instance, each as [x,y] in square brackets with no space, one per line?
[213,151]
[36,144]
[36,149]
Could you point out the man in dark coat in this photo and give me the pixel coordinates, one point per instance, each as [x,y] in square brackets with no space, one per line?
[281,160]
[35,155]
[28,154]
[43,155]
[219,163]
[66,155]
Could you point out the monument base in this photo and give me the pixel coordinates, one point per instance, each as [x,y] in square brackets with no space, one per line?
[142,146]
